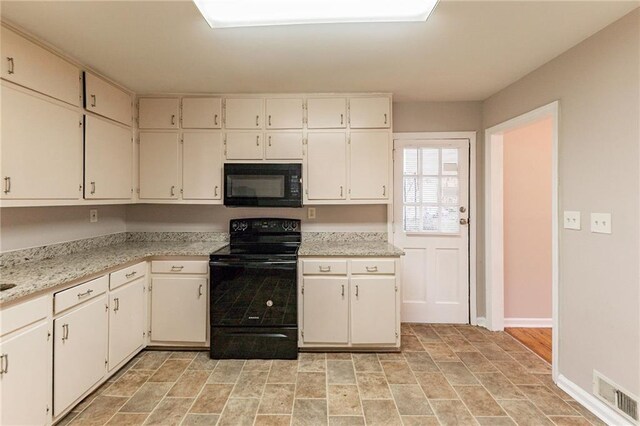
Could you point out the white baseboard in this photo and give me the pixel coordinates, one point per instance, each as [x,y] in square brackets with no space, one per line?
[481,322]
[592,403]
[529,322]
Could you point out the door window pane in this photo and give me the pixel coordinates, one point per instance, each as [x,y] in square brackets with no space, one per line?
[430,163]
[430,190]
[410,190]
[411,219]
[410,161]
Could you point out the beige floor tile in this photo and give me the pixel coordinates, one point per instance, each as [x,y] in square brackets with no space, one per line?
[366,362]
[381,412]
[425,333]
[344,400]
[169,411]
[101,409]
[340,372]
[309,412]
[200,419]
[311,385]
[339,356]
[440,351]
[547,402]
[128,383]
[68,418]
[479,401]
[532,363]
[185,354]
[239,412]
[151,360]
[570,421]
[516,373]
[405,329]
[277,399]
[146,398]
[524,413]
[170,370]
[391,356]
[458,343]
[312,362]
[587,414]
[546,380]
[421,361]
[445,329]
[346,421]
[476,362]
[410,400]
[373,386]
[189,384]
[257,365]
[203,362]
[435,386]
[492,352]
[457,374]
[272,420]
[411,344]
[452,412]
[420,421]
[472,334]
[283,371]
[212,399]
[499,386]
[495,421]
[250,384]
[226,371]
[398,372]
[127,419]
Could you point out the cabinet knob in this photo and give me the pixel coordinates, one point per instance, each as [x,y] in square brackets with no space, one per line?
[11,65]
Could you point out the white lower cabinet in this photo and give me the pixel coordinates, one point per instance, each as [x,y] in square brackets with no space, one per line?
[126,321]
[373,310]
[326,310]
[80,351]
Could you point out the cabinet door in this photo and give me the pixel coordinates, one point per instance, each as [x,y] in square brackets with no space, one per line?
[327,166]
[126,321]
[158,113]
[159,165]
[80,352]
[369,165]
[108,160]
[201,113]
[369,113]
[25,388]
[284,146]
[373,310]
[325,310]
[326,113]
[244,146]
[106,100]
[41,148]
[179,309]
[202,166]
[29,65]
[243,113]
[284,113]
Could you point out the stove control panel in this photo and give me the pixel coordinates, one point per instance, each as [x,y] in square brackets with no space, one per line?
[259,226]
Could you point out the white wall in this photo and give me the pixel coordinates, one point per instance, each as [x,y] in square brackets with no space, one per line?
[598,86]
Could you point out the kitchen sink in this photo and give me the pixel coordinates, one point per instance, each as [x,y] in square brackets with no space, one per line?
[4,287]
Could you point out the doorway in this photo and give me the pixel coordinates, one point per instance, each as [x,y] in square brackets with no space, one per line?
[431,223]
[521,246]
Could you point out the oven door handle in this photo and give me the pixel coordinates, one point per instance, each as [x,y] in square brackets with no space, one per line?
[251,263]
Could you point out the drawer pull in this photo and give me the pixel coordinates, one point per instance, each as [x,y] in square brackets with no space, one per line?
[116,308]
[65,332]
[4,364]
[342,289]
[86,293]
[177,268]
[131,274]
[11,69]
[372,269]
[215,120]
[325,268]
[200,291]
[93,101]
[357,290]
[173,119]
[7,184]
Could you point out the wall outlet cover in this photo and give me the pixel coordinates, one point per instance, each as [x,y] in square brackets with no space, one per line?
[311,213]
[93,215]
[601,223]
[571,220]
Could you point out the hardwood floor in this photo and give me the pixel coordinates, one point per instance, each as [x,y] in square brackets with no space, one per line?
[536,339]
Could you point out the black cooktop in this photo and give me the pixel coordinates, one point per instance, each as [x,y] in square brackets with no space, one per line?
[257,249]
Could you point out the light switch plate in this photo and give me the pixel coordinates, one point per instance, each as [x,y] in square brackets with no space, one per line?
[601,223]
[93,215]
[311,213]
[571,220]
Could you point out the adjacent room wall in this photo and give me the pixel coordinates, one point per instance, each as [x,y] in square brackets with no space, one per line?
[527,222]
[25,227]
[598,85]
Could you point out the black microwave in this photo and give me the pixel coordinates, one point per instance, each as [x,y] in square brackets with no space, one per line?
[263,185]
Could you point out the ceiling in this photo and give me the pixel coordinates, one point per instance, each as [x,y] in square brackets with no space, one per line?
[467,50]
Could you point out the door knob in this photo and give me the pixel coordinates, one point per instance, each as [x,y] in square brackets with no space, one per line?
[463,209]
[464,221]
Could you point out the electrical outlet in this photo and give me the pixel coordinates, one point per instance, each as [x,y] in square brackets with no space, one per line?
[571,220]
[93,215]
[601,223]
[311,213]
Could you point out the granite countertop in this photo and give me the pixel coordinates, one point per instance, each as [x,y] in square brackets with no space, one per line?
[36,276]
[351,248]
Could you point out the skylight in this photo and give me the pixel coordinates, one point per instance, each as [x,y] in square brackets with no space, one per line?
[250,13]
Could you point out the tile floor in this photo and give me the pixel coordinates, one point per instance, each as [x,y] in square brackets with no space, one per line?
[445,375]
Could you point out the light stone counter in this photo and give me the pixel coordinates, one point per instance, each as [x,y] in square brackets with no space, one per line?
[349,249]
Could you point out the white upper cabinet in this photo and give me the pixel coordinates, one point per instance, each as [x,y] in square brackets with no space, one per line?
[202,166]
[108,159]
[106,100]
[327,166]
[36,68]
[326,113]
[284,146]
[370,113]
[369,165]
[244,145]
[41,147]
[243,113]
[285,113]
[201,113]
[159,165]
[158,113]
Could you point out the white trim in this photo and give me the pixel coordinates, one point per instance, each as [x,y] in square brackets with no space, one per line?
[494,250]
[529,322]
[481,322]
[473,211]
[592,403]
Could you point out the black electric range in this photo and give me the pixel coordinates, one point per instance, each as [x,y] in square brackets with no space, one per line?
[254,291]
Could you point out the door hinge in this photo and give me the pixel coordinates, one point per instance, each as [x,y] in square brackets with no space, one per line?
[48,335]
[302,289]
[80,124]
[396,334]
[302,333]
[106,307]
[48,409]
[106,361]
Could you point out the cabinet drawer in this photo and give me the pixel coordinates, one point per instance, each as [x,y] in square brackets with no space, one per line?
[179,266]
[75,295]
[373,266]
[123,276]
[324,267]
[26,313]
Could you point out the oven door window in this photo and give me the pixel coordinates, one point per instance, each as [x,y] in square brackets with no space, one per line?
[256,186]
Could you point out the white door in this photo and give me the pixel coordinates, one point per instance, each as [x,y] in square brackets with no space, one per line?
[159,165]
[327,166]
[284,113]
[201,113]
[373,310]
[24,388]
[158,113]
[431,179]
[179,309]
[369,159]
[107,100]
[243,146]
[284,146]
[369,113]
[326,113]
[126,321]
[80,352]
[202,166]
[325,311]
[108,160]
[243,113]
